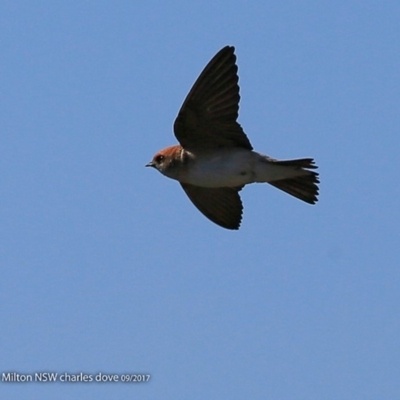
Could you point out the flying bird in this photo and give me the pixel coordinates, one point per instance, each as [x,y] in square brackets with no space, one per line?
[215,159]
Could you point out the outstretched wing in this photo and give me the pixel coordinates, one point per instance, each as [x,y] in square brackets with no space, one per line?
[221,205]
[207,118]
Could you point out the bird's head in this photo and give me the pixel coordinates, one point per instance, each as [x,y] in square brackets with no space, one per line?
[157,161]
[166,159]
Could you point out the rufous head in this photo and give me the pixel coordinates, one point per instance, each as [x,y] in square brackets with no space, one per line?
[165,158]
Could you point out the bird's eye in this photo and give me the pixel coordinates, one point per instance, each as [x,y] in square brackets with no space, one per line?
[159,158]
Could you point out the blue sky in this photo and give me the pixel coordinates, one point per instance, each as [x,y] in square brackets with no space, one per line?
[107,267]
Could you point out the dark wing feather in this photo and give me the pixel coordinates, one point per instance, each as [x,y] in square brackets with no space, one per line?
[207,118]
[221,205]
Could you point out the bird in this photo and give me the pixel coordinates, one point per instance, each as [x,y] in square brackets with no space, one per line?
[214,159]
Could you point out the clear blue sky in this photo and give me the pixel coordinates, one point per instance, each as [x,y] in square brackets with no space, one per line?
[107,267]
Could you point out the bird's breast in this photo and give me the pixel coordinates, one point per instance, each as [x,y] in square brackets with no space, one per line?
[227,168]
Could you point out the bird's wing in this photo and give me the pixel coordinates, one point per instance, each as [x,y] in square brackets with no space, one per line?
[207,118]
[221,205]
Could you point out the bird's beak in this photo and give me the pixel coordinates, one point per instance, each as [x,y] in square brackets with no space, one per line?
[150,164]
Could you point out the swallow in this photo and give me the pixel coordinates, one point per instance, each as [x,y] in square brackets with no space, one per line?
[215,158]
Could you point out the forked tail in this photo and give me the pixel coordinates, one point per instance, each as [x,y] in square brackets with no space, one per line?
[304,186]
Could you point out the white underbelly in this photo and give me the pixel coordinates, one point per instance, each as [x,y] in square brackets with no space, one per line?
[235,167]
[228,169]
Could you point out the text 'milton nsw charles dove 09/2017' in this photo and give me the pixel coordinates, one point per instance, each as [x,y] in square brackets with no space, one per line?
[215,159]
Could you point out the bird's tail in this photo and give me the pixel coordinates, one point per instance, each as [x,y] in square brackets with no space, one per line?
[303,186]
